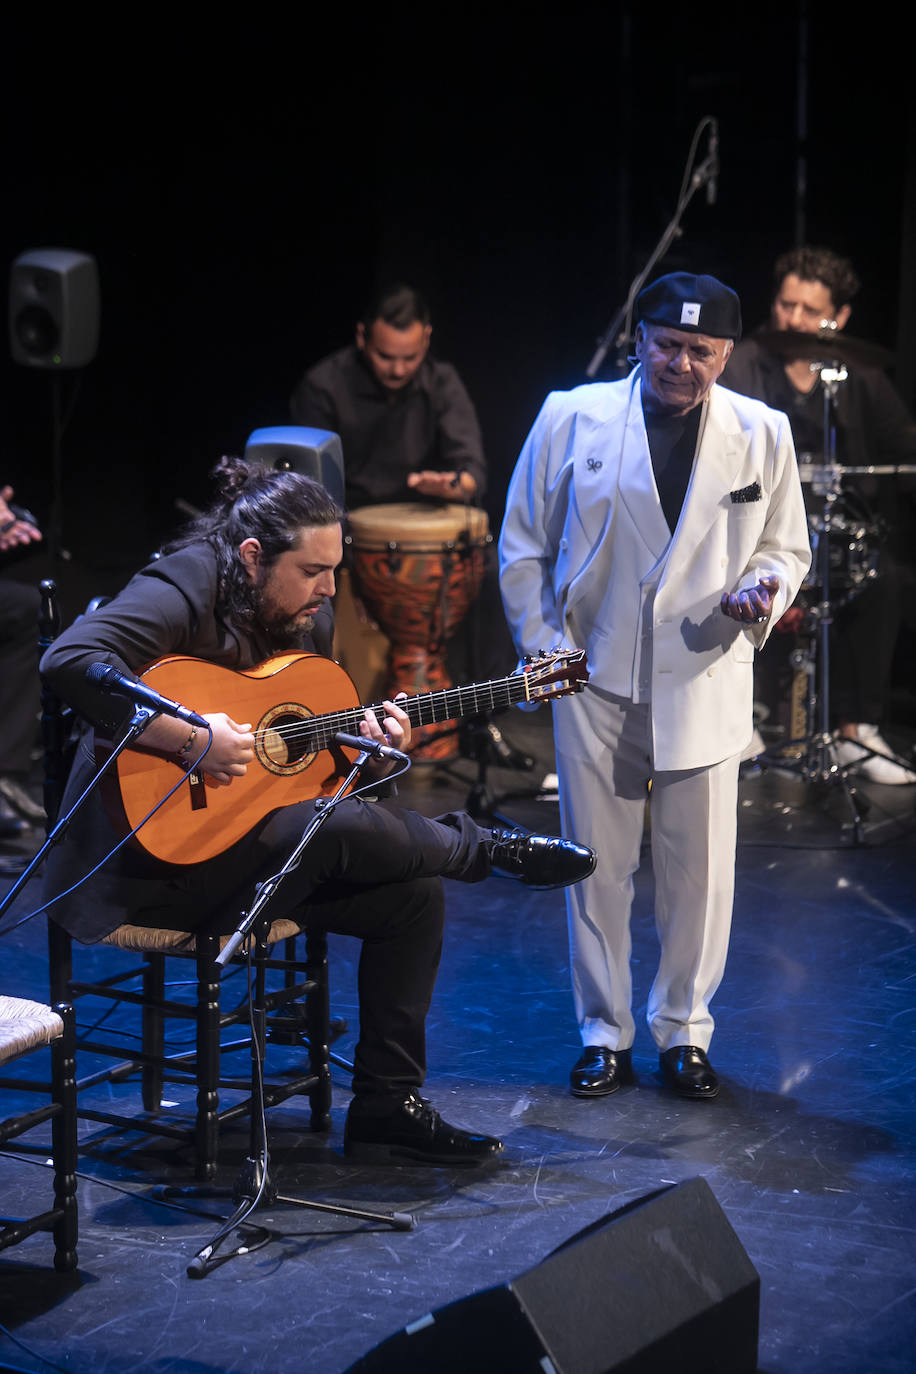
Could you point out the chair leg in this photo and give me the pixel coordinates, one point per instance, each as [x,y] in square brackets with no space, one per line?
[60,960]
[318,1013]
[64,1142]
[208,1049]
[153,1032]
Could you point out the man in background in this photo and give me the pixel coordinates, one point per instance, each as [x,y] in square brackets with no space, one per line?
[408,427]
[813,292]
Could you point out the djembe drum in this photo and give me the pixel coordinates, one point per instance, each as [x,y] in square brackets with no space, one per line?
[418,569]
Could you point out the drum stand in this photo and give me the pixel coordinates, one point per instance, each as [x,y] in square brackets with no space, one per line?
[818,762]
[479,737]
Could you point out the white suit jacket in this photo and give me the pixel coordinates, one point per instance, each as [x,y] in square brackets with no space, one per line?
[584,530]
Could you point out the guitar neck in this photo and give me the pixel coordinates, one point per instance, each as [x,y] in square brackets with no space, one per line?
[429,708]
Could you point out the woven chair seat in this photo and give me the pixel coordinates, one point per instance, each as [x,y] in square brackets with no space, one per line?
[25,1025]
[150,940]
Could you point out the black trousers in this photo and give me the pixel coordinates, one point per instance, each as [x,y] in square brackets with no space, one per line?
[374,871]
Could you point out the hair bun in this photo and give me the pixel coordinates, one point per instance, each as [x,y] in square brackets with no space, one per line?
[231,476]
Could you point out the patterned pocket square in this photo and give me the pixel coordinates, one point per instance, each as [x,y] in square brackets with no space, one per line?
[751,493]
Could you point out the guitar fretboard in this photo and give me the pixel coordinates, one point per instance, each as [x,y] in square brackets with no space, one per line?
[427,708]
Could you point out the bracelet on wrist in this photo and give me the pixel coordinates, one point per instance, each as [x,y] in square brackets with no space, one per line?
[188,745]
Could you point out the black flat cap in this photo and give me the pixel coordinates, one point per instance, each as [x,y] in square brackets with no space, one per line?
[701,305]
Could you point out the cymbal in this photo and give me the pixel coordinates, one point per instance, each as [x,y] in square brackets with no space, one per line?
[824,348]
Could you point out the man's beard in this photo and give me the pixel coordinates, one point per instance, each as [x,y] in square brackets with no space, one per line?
[283,631]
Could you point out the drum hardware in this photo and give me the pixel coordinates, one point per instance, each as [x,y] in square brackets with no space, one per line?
[832,347]
[816,758]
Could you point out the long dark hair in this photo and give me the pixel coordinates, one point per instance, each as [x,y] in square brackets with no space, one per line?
[260,503]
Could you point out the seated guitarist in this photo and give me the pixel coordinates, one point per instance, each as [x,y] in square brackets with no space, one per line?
[251,579]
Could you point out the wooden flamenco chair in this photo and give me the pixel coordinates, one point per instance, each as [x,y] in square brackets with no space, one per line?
[27,1028]
[294,989]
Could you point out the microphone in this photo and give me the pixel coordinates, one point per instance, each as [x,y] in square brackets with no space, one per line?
[106,676]
[372,746]
[713,178]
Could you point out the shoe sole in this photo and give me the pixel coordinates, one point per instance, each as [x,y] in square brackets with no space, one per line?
[595,1092]
[363,1152]
[692,1095]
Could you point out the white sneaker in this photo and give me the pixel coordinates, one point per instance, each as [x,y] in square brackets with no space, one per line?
[876,767]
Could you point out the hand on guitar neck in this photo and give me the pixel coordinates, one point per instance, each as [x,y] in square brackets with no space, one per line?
[393,730]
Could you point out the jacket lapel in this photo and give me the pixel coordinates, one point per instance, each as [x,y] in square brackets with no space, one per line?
[612,452]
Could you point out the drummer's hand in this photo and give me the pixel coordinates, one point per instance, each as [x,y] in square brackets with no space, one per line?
[442,486]
[394,730]
[753,605]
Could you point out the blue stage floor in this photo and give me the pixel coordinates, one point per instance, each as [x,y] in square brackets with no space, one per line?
[808,1150]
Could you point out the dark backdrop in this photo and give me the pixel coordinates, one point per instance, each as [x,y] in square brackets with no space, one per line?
[244,183]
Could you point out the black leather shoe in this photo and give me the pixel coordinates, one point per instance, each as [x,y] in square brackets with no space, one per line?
[687,1070]
[600,1071]
[542,861]
[412,1132]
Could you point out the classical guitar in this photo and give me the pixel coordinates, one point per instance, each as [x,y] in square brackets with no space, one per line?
[296,756]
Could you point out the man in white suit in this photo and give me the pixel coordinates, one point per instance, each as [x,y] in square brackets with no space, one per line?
[658,522]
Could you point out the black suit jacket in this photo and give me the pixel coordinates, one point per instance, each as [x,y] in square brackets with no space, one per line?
[169,607]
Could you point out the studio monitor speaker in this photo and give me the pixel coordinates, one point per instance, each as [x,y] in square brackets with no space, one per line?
[54,308]
[662,1284]
[318,453]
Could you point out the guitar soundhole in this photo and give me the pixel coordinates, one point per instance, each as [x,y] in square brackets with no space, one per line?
[285,740]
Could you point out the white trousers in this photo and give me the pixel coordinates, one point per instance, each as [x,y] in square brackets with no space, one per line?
[604,764]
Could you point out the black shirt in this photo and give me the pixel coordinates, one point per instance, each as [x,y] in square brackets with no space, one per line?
[672,444]
[428,424]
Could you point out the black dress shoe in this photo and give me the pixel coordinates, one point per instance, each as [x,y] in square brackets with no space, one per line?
[542,861]
[599,1071]
[687,1070]
[412,1132]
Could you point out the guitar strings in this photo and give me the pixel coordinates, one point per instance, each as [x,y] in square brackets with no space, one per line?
[453,702]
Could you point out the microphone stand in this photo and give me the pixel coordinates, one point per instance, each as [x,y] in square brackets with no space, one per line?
[619,330]
[254,1186]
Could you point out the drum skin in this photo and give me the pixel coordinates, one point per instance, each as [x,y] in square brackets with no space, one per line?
[418,569]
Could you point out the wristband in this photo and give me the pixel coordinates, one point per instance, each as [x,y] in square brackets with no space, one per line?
[188,744]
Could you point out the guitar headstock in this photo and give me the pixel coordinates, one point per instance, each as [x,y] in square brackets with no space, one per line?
[556,674]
